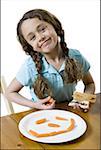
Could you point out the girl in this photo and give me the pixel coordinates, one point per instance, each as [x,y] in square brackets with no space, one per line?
[52,70]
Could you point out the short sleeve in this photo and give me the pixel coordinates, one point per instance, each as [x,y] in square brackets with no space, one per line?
[81,59]
[23,75]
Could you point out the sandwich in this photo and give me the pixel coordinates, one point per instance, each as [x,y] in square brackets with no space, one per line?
[82,100]
[84,96]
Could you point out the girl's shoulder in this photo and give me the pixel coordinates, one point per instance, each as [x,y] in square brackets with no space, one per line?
[29,61]
[29,65]
[74,52]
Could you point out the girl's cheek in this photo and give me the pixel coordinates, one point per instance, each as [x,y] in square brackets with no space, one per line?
[34,45]
[48,33]
[36,48]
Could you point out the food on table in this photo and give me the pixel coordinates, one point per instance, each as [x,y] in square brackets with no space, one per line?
[72,125]
[46,134]
[60,118]
[49,102]
[84,96]
[41,121]
[32,132]
[82,100]
[70,128]
[53,125]
[84,105]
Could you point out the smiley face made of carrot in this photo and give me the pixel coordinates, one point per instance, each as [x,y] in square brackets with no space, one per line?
[46,134]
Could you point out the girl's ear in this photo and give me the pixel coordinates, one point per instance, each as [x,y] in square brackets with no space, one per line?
[59,39]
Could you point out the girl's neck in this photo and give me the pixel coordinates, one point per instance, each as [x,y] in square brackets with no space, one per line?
[56,58]
[56,55]
[56,62]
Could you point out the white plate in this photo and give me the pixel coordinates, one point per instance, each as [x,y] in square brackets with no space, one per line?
[28,122]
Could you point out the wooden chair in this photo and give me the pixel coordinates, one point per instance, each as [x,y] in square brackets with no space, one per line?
[8,104]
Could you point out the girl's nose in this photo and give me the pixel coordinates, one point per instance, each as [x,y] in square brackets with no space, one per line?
[41,38]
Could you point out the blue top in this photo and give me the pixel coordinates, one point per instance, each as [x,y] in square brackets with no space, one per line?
[28,74]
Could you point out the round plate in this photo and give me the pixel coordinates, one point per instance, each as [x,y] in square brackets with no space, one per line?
[28,122]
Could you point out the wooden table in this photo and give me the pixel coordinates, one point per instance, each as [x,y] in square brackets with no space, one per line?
[11,138]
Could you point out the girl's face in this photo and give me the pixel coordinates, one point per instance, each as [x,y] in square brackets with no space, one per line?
[40,35]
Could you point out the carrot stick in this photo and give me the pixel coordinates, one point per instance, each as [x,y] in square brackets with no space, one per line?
[60,118]
[33,133]
[51,133]
[50,102]
[41,121]
[72,125]
[53,125]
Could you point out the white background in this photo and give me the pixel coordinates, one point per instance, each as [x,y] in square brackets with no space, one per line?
[80,20]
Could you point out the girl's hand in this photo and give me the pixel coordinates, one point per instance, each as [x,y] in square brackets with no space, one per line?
[81,106]
[46,103]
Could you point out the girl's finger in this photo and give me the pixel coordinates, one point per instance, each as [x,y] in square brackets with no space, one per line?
[49,106]
[46,99]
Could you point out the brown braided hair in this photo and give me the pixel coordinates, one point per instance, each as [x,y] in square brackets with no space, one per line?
[72,72]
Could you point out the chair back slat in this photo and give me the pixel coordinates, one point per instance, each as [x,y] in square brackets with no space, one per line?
[8,104]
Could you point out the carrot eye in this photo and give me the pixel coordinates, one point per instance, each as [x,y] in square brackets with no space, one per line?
[60,118]
[41,121]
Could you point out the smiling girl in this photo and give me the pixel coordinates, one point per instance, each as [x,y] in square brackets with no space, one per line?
[52,70]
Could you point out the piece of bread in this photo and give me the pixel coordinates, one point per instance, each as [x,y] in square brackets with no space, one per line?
[84,105]
[84,97]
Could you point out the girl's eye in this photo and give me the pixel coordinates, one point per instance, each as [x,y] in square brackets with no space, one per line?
[32,38]
[42,28]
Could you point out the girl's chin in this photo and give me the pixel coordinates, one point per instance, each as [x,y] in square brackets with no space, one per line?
[47,50]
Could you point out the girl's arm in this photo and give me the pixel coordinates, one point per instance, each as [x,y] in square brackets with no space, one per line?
[12,94]
[88,83]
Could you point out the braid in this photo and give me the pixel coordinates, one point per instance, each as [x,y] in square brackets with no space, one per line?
[41,87]
[73,70]
[37,59]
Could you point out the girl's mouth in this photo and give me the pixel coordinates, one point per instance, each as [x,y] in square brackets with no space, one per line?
[46,42]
